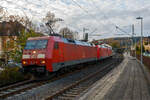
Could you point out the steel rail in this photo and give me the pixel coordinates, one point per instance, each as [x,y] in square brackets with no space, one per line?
[58,93]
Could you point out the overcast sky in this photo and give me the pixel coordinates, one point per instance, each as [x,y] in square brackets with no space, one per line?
[99,15]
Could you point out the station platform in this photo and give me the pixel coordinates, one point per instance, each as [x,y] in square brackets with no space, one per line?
[129,81]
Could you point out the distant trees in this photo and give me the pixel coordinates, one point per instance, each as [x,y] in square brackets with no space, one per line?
[10,28]
[25,21]
[67,33]
[138,49]
[115,45]
[146,43]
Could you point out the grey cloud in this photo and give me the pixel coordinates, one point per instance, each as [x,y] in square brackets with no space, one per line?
[103,17]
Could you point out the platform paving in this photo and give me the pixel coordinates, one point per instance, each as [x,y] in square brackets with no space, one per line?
[128,81]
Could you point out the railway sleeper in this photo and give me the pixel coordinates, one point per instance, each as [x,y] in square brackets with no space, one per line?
[5,92]
[76,90]
[69,95]
[72,93]
[11,90]
[69,92]
[63,98]
[83,85]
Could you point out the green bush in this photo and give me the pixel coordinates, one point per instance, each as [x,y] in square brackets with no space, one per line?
[146,43]
[10,75]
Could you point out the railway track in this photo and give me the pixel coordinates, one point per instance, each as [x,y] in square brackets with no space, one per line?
[22,87]
[16,84]
[27,85]
[72,91]
[17,89]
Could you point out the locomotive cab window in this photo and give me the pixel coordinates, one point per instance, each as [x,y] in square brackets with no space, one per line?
[56,45]
[36,44]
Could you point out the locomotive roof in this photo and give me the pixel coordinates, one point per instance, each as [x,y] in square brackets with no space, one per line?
[77,42]
[105,46]
[65,40]
[37,38]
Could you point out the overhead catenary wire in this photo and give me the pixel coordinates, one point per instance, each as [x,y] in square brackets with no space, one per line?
[121,29]
[93,3]
[86,11]
[80,6]
[116,26]
[44,11]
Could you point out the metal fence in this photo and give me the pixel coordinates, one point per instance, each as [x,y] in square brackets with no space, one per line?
[146,60]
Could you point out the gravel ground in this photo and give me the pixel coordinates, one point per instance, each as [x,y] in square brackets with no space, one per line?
[41,92]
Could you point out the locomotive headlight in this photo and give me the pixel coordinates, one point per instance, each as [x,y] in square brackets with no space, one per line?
[24,62]
[41,56]
[43,62]
[34,51]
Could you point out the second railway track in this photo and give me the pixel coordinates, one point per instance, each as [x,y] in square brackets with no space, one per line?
[72,91]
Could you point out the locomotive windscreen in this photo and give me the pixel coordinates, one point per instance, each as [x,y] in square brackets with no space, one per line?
[36,44]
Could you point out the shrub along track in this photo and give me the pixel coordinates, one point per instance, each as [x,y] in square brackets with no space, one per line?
[11,75]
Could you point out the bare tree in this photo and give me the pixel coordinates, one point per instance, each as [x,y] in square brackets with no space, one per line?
[50,21]
[4,16]
[1,13]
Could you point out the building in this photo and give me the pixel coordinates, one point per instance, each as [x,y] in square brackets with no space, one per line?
[8,32]
[146,43]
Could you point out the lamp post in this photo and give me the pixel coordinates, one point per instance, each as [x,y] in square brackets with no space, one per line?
[141,18]
[133,38]
[135,45]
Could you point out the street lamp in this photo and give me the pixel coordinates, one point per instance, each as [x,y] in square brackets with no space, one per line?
[141,18]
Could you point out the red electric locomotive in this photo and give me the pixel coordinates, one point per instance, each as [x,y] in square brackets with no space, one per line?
[51,53]
[103,51]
